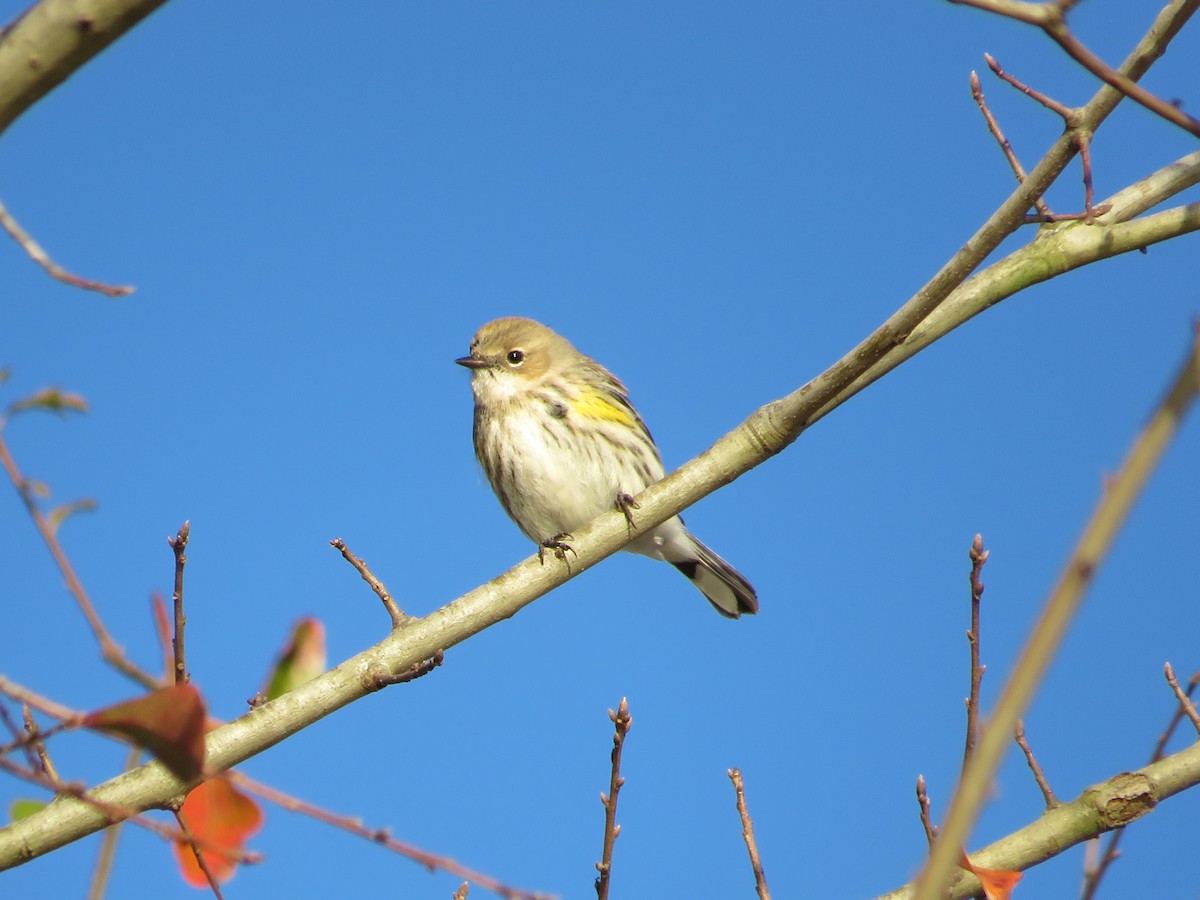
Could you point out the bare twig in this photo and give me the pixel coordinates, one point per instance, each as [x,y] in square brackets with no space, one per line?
[381,836]
[109,649]
[190,840]
[1038,775]
[1084,142]
[979,558]
[461,893]
[1072,119]
[35,738]
[398,616]
[21,694]
[1005,147]
[1069,116]
[1184,697]
[19,737]
[179,546]
[760,878]
[1051,18]
[1093,870]
[39,256]
[622,722]
[926,822]
[1060,607]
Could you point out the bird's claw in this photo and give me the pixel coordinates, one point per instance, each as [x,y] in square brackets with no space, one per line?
[626,504]
[558,544]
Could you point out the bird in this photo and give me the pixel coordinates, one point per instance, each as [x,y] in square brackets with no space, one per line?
[560,443]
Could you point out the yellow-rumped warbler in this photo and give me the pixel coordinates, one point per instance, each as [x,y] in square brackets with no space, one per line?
[561,443]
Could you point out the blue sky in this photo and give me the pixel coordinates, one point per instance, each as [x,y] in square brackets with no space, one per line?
[319,207]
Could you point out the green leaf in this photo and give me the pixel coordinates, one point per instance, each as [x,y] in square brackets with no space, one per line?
[22,809]
[51,399]
[302,659]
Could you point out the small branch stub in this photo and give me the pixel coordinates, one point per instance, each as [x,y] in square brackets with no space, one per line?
[179,546]
[1038,775]
[931,831]
[397,615]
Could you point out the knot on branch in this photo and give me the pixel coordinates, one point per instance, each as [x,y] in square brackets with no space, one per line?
[1122,799]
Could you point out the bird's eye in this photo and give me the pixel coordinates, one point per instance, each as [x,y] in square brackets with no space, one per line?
[515,357]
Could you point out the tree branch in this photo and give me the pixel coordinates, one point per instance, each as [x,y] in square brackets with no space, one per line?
[1100,808]
[47,43]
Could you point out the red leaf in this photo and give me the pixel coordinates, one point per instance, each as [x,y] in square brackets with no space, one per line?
[223,818]
[168,722]
[997,884]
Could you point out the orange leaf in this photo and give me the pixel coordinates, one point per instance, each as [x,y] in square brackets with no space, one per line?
[303,659]
[997,884]
[223,818]
[168,722]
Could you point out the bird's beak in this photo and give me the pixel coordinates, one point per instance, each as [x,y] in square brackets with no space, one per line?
[471,362]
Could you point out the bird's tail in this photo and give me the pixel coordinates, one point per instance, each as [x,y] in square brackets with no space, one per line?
[730,594]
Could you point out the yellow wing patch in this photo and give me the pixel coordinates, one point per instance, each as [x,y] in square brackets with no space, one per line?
[593,404]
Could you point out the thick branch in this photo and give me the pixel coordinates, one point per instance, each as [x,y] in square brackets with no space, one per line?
[52,39]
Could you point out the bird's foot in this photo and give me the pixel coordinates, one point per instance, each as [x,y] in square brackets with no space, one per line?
[558,544]
[626,504]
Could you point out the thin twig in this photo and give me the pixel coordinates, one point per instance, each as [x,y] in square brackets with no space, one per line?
[1184,697]
[398,616]
[1130,88]
[190,840]
[760,878]
[1084,142]
[39,256]
[39,746]
[1093,871]
[179,546]
[979,558]
[1038,775]
[1069,116]
[381,836]
[19,737]
[931,831]
[110,651]
[1072,120]
[622,722]
[1005,147]
[1051,18]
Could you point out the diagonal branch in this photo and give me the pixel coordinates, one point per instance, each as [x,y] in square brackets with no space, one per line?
[47,43]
